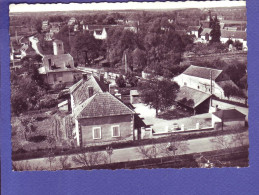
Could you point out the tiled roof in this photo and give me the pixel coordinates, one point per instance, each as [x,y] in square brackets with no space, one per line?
[80,89]
[202,72]
[233,34]
[205,31]
[100,105]
[191,97]
[229,114]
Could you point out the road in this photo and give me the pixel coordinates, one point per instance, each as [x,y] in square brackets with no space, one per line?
[34,45]
[130,154]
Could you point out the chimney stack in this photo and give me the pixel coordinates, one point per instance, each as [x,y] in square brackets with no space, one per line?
[101,78]
[84,76]
[90,91]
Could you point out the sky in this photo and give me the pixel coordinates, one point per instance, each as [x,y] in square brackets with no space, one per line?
[121,6]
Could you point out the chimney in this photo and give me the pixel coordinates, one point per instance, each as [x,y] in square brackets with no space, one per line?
[118,95]
[90,91]
[101,78]
[84,76]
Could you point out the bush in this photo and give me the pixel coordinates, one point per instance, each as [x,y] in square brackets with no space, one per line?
[48,103]
[120,81]
[59,86]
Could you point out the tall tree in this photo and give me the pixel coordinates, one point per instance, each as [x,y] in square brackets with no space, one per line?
[215,32]
[158,94]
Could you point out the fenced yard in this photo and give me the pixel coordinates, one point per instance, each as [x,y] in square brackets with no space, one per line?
[167,120]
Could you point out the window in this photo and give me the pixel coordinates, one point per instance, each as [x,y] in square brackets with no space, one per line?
[185,83]
[116,131]
[97,133]
[198,87]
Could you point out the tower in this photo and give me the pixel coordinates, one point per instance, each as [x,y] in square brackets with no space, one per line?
[58,47]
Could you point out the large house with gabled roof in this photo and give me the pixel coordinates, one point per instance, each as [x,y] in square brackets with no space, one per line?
[198,84]
[103,118]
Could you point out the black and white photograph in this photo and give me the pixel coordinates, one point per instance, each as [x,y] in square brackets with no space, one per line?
[132,85]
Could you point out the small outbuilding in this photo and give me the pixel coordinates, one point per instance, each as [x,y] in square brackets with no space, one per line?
[225,119]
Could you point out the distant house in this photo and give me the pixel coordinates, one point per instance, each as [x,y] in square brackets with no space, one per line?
[71,21]
[45,25]
[194,30]
[225,119]
[131,28]
[205,34]
[58,68]
[234,36]
[207,80]
[102,35]
[103,118]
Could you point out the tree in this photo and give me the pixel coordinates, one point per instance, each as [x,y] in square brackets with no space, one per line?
[88,45]
[63,162]
[120,81]
[50,159]
[89,159]
[109,151]
[221,142]
[158,94]
[230,90]
[215,32]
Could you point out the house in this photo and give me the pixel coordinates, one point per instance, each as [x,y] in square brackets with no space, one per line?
[205,34]
[234,36]
[71,21]
[102,118]
[135,97]
[58,68]
[194,30]
[45,25]
[207,80]
[102,35]
[225,119]
[85,88]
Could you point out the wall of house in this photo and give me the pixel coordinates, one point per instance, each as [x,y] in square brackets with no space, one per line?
[86,126]
[203,107]
[61,77]
[197,83]
[214,119]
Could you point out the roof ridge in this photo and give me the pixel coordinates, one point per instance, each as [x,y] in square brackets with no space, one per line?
[120,101]
[205,67]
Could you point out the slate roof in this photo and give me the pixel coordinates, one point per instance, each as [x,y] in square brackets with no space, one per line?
[202,72]
[100,105]
[205,31]
[229,114]
[233,34]
[80,89]
[191,97]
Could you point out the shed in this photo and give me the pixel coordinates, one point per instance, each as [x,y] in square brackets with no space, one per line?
[225,119]
[134,97]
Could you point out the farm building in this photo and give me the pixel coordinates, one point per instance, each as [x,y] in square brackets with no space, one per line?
[225,119]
